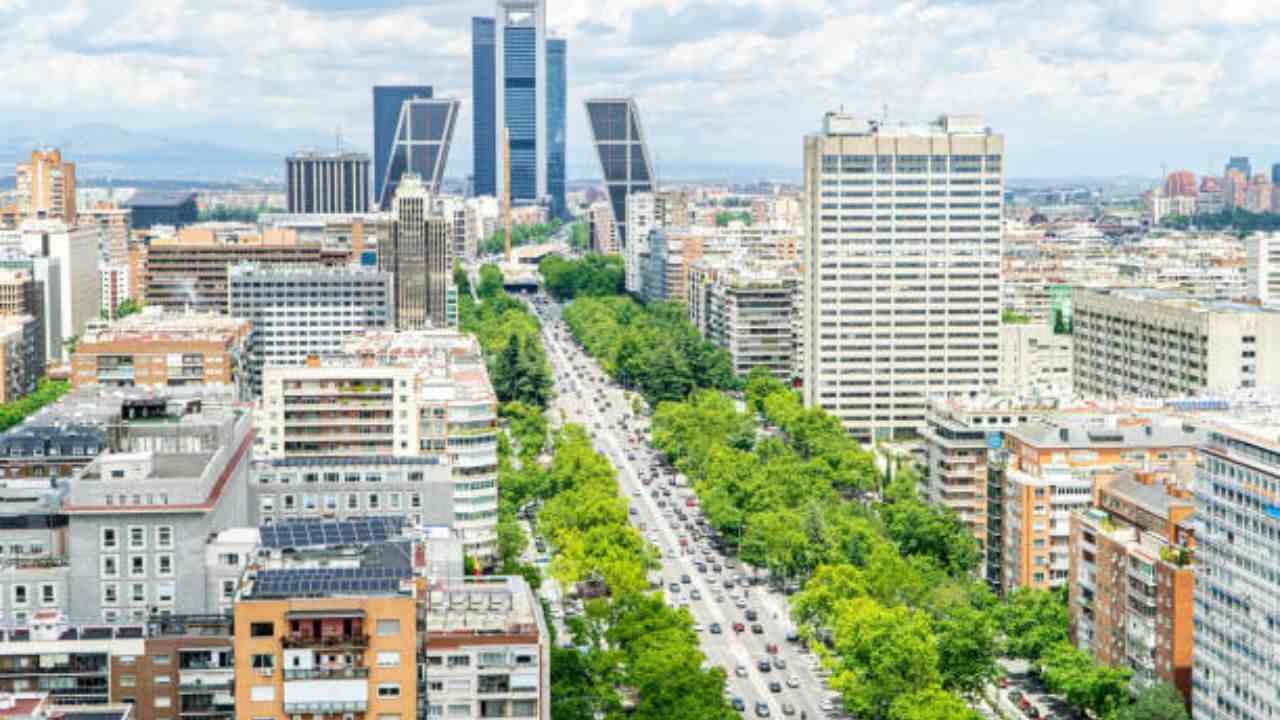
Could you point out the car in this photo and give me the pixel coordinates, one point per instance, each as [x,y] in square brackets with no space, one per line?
[739,627]
[764,666]
[775,687]
[779,662]
[752,615]
[788,709]
[740,603]
[826,706]
[1033,712]
[762,709]
[728,584]
[718,598]
[674,587]
[793,681]
[695,595]
[1015,696]
[772,649]
[715,628]
[738,704]
[697,627]
[792,636]
[757,628]
[634,511]
[686,579]
[740,671]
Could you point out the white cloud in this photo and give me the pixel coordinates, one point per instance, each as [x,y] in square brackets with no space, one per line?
[1135,78]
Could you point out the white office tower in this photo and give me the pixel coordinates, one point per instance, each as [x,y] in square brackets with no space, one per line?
[1234,673]
[641,219]
[1263,270]
[902,268]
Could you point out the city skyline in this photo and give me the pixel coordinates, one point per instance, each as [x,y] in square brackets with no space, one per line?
[1179,102]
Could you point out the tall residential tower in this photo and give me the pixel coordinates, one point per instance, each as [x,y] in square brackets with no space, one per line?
[902,270]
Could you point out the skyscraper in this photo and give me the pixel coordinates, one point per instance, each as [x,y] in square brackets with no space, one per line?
[557,100]
[423,134]
[1241,163]
[484,120]
[418,257]
[327,183]
[624,159]
[514,68]
[902,268]
[387,101]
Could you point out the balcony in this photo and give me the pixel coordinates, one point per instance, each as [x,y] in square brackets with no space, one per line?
[325,641]
[197,688]
[347,673]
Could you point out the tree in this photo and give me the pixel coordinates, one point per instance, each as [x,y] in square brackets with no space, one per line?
[1032,621]
[1157,701]
[966,649]
[490,281]
[931,704]
[882,654]
[1085,683]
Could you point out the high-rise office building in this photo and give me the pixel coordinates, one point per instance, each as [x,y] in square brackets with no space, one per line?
[557,104]
[484,119]
[423,134]
[1240,163]
[514,68]
[624,159]
[419,258]
[387,102]
[47,187]
[328,184]
[1275,174]
[902,268]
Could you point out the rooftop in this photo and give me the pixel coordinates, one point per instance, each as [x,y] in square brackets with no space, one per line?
[1082,434]
[294,270]
[1153,498]
[149,198]
[482,606]
[154,324]
[1182,301]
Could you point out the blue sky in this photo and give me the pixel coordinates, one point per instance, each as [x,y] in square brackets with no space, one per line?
[1080,87]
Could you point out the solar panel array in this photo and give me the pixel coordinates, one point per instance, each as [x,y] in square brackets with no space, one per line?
[322,533]
[321,582]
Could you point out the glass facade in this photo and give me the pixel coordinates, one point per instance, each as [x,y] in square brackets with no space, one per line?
[483,105]
[557,99]
[520,87]
[424,133]
[624,160]
[387,101]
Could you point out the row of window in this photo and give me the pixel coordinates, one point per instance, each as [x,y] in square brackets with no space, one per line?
[137,594]
[136,536]
[109,566]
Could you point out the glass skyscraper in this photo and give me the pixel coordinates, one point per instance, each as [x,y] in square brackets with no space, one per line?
[423,135]
[557,101]
[518,79]
[624,159]
[387,101]
[484,121]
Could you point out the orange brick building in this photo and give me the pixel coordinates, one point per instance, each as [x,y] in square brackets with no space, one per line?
[156,348]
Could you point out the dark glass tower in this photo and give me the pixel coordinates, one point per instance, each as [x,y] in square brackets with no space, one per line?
[484,108]
[557,99]
[423,134]
[624,159]
[387,100]
[520,98]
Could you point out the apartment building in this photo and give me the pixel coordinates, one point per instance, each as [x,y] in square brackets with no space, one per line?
[328,633]
[21,356]
[189,271]
[1049,470]
[1233,675]
[297,311]
[357,234]
[747,308]
[162,349]
[1132,579]
[374,430]
[602,231]
[1033,357]
[1263,269]
[76,664]
[176,471]
[75,252]
[1139,341]
[115,287]
[485,650]
[46,187]
[902,273]
[112,224]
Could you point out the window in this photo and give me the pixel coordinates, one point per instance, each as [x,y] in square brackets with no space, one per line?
[137,593]
[388,628]
[353,501]
[373,501]
[262,693]
[267,503]
[159,659]
[48,594]
[126,659]
[110,539]
[459,661]
[288,503]
[128,681]
[163,701]
[164,593]
[228,589]
[20,596]
[137,566]
[388,659]
[164,565]
[160,680]
[262,629]
[263,662]
[110,593]
[164,537]
[388,690]
[137,537]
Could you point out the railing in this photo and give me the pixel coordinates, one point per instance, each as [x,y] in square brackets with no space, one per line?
[205,687]
[348,673]
[333,641]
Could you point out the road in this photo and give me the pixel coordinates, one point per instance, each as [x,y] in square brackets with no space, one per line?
[586,396]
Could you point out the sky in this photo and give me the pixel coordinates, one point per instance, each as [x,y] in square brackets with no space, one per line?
[1079,87]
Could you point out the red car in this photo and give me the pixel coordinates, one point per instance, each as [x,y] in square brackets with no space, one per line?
[739,627]
[771,649]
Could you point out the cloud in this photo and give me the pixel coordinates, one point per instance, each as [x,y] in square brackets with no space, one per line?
[717,80]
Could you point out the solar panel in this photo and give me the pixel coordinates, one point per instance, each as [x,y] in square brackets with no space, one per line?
[318,533]
[329,581]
